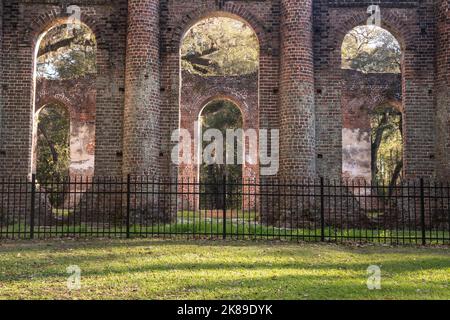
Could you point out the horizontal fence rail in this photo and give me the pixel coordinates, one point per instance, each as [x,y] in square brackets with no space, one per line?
[413,212]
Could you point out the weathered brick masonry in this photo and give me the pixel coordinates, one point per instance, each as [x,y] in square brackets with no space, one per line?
[78,96]
[361,94]
[197,92]
[23,23]
[1,69]
[442,87]
[301,88]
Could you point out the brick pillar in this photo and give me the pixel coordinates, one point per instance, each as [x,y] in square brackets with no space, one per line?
[443,89]
[297,120]
[142,89]
[142,127]
[297,128]
[1,69]
[17,115]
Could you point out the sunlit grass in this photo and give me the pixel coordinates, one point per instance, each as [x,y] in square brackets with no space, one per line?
[152,269]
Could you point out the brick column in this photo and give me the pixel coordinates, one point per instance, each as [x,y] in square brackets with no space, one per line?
[142,89]
[1,69]
[443,89]
[297,127]
[17,115]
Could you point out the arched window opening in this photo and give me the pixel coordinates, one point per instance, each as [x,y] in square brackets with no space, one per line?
[66,51]
[219,57]
[53,147]
[220,46]
[371,49]
[372,135]
[220,116]
[64,54]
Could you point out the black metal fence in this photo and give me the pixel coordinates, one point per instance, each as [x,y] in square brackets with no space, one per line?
[416,212]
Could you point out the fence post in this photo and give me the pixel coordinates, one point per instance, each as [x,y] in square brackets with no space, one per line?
[128,204]
[33,200]
[224,211]
[322,211]
[422,210]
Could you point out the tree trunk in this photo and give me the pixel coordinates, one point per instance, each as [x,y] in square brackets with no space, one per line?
[395,177]
[376,143]
[51,145]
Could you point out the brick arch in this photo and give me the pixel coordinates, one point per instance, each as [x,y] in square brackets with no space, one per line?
[225,96]
[79,95]
[81,131]
[101,81]
[396,104]
[29,19]
[47,20]
[55,17]
[250,172]
[413,99]
[389,22]
[175,29]
[360,95]
[197,91]
[233,11]
[47,100]
[217,94]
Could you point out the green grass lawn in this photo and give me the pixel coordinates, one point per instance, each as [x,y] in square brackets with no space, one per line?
[156,269]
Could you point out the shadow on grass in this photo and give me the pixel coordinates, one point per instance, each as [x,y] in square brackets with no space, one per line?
[295,287]
[276,286]
[52,258]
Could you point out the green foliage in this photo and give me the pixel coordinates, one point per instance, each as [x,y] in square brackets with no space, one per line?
[66,52]
[219,47]
[371,49]
[387,144]
[53,145]
[221,115]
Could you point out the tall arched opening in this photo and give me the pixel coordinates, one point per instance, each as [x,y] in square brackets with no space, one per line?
[219,63]
[65,57]
[372,128]
[219,57]
[221,124]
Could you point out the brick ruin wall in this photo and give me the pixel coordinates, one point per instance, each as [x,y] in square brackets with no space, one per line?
[361,94]
[23,22]
[442,88]
[77,96]
[197,92]
[302,89]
